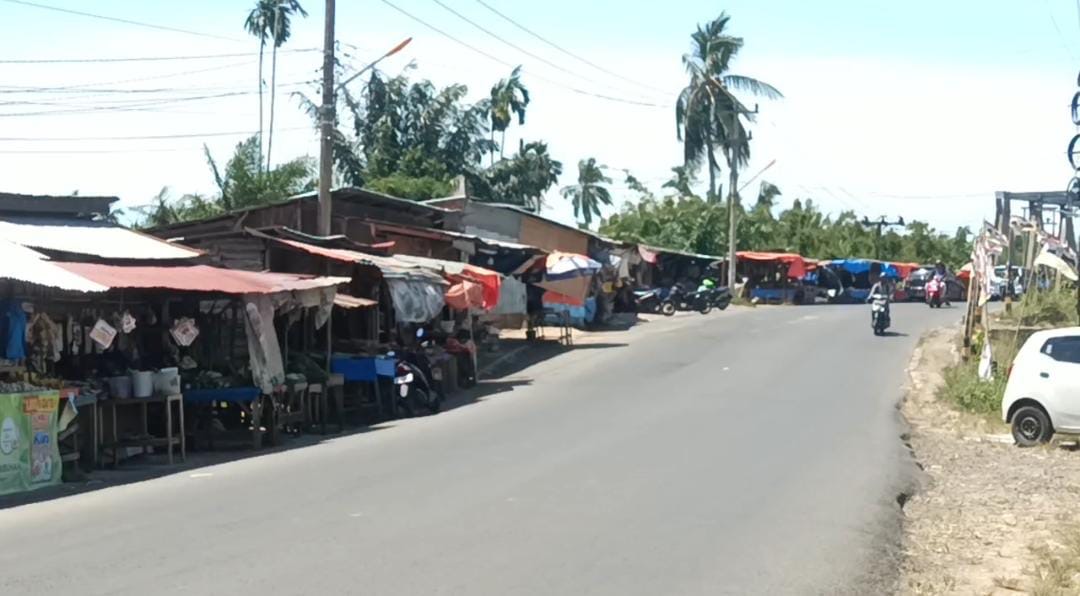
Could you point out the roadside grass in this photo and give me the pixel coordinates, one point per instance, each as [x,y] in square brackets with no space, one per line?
[1051,308]
[964,389]
[1057,567]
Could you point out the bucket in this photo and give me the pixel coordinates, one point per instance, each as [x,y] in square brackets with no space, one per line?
[142,383]
[120,387]
[167,381]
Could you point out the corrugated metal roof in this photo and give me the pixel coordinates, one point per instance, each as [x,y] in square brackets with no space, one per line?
[347,301]
[22,264]
[389,266]
[98,239]
[197,278]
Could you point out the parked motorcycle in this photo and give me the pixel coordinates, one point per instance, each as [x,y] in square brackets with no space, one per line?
[415,381]
[679,299]
[720,297]
[649,301]
[879,313]
[935,292]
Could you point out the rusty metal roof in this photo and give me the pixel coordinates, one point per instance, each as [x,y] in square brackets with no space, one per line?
[197,278]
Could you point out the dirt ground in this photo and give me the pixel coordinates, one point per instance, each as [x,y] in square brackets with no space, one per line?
[985,506]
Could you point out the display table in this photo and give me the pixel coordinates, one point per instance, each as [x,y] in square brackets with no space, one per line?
[249,400]
[367,369]
[144,439]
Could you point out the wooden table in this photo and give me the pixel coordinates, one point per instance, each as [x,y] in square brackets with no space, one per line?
[170,440]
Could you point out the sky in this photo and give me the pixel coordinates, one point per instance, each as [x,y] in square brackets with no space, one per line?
[918,109]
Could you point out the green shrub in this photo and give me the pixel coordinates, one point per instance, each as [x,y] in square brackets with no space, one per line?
[1050,308]
[966,390]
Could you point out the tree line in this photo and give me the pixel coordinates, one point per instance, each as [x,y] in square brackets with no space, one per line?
[411,139]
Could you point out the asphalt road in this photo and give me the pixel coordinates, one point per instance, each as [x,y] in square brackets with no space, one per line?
[752,452]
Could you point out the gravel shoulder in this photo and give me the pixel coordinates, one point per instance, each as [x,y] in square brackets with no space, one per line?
[987,511]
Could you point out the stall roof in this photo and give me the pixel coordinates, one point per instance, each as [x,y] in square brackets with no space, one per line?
[197,278]
[771,256]
[22,264]
[347,301]
[91,238]
[671,251]
[389,266]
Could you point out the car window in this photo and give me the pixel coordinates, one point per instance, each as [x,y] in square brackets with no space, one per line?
[1063,349]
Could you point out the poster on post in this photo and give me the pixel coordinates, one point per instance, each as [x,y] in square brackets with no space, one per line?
[29,454]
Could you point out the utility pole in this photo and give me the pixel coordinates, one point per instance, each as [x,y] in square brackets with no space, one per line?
[733,188]
[327,116]
[881,223]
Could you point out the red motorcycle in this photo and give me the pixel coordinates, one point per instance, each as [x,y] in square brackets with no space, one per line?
[935,292]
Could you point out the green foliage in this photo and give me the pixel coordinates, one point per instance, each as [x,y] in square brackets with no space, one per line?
[407,187]
[685,221]
[708,115]
[966,390]
[521,180]
[243,183]
[1045,308]
[411,139]
[589,192]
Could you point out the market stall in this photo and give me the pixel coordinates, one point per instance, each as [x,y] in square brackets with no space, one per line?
[776,277]
[132,350]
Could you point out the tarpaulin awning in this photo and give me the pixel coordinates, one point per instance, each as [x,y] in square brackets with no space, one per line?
[490,281]
[347,301]
[415,300]
[465,295]
[197,278]
[853,266]
[796,263]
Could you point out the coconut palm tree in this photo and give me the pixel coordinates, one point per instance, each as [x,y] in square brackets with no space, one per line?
[509,97]
[258,25]
[709,116]
[279,22]
[589,192]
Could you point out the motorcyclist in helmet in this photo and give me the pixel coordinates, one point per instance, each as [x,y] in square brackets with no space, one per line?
[885,288]
[941,274]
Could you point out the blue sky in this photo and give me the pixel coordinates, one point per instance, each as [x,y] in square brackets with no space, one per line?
[911,108]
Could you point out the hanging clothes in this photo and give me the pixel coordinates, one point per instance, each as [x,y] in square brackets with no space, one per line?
[14,332]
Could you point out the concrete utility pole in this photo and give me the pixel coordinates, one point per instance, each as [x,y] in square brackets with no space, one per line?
[327,116]
[881,223]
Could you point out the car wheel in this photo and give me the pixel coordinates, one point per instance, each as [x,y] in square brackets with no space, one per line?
[1031,427]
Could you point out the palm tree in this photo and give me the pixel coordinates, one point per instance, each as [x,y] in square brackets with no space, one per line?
[258,25]
[709,115]
[280,28]
[508,97]
[589,192]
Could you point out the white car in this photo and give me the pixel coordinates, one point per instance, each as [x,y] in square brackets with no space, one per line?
[1042,396]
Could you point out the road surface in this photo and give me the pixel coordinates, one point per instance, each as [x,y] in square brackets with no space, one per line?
[746,452]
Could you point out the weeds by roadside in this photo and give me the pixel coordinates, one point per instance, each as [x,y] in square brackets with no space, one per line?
[964,389]
[1052,308]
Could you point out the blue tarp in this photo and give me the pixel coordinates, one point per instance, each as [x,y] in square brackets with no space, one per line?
[852,266]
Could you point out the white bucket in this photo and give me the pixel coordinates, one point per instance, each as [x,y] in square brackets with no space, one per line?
[142,383]
[120,387]
[167,381]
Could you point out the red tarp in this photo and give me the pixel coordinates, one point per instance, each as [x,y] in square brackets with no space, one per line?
[797,264]
[198,278]
[465,294]
[905,269]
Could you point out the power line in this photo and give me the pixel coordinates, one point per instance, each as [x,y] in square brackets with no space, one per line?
[511,44]
[568,52]
[137,59]
[121,20]
[123,108]
[151,77]
[234,133]
[509,65]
